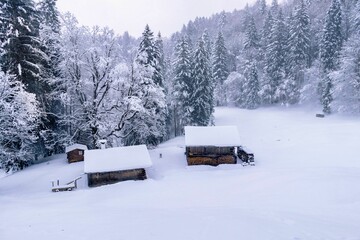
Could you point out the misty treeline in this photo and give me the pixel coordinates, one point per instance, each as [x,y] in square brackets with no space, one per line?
[62,83]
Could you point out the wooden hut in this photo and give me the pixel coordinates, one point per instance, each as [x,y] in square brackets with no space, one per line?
[211,145]
[75,153]
[112,165]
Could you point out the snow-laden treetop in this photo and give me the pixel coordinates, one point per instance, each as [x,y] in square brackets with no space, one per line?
[117,159]
[219,136]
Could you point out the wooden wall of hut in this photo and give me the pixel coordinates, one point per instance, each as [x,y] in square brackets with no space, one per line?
[99,179]
[76,155]
[210,155]
[201,151]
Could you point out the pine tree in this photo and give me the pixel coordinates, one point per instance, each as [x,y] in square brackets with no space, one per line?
[207,43]
[266,30]
[275,61]
[22,55]
[49,14]
[326,94]
[332,39]
[252,40]
[220,70]
[262,6]
[50,38]
[347,78]
[148,73]
[202,90]
[251,88]
[19,119]
[299,41]
[299,53]
[182,86]
[330,48]
[274,7]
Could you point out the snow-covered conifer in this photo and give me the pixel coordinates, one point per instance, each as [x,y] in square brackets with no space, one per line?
[22,57]
[252,40]
[251,86]
[330,48]
[183,86]
[220,69]
[275,61]
[147,71]
[203,89]
[19,119]
[332,39]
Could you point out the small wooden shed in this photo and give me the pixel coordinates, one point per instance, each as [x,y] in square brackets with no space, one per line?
[112,165]
[75,152]
[212,145]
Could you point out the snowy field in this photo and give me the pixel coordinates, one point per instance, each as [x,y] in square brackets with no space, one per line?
[305,185]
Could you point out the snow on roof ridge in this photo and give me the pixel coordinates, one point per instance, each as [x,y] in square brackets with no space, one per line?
[219,136]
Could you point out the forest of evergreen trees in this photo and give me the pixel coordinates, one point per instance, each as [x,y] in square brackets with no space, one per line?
[62,83]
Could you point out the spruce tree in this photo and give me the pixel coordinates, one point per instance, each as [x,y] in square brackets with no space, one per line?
[332,39]
[299,41]
[202,90]
[274,7]
[275,61]
[330,48]
[252,86]
[252,40]
[22,56]
[50,38]
[182,86]
[262,6]
[347,77]
[299,53]
[19,119]
[148,74]
[220,70]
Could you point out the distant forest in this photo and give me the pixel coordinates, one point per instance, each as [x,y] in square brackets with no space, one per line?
[62,83]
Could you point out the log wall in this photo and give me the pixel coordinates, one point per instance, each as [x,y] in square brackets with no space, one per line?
[212,160]
[99,179]
[210,155]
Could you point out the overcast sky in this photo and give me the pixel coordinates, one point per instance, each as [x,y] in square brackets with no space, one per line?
[166,16]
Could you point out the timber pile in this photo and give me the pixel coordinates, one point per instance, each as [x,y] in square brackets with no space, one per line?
[212,161]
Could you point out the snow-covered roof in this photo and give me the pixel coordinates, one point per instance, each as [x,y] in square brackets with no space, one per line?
[219,136]
[116,159]
[75,146]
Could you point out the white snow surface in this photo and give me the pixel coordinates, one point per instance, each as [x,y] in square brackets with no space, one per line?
[305,186]
[75,146]
[116,159]
[219,136]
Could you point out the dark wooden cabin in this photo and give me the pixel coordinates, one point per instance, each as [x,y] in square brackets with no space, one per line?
[211,145]
[112,165]
[75,153]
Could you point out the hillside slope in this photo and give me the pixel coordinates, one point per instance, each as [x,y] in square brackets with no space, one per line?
[305,185]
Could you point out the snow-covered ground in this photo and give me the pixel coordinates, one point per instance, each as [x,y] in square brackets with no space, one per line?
[305,185]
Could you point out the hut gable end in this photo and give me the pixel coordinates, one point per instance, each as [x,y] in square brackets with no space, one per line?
[75,152]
